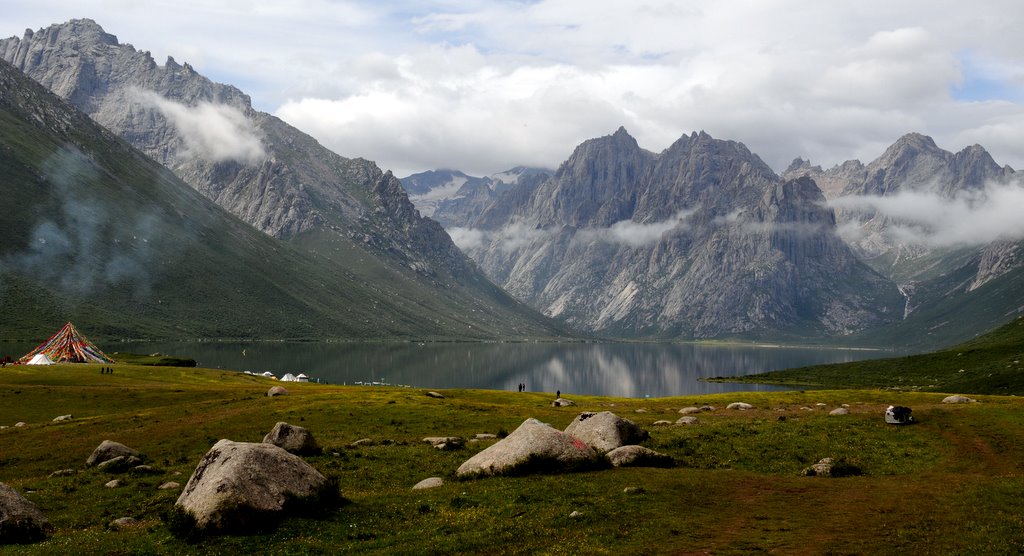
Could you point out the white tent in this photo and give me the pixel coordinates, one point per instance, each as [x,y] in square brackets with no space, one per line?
[302,378]
[40,359]
[289,378]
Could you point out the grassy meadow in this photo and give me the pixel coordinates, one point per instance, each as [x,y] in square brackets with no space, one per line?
[950,484]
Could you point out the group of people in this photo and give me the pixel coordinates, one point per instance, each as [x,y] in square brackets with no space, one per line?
[106,370]
[522,387]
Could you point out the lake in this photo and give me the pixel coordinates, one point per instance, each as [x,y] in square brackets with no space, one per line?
[607,369]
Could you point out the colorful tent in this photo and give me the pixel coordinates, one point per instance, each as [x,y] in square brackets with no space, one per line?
[68,345]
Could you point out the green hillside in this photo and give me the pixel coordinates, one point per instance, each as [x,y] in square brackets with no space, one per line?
[99,234]
[945,312]
[990,364]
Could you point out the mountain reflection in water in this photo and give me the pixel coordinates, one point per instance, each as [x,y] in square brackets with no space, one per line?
[608,369]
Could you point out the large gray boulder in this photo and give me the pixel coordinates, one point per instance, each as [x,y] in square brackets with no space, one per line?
[297,440]
[20,520]
[240,486]
[534,446]
[108,450]
[605,431]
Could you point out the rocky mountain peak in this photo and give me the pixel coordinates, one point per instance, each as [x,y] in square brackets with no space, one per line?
[909,147]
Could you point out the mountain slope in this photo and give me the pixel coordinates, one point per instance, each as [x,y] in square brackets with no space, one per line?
[702,240]
[346,211]
[98,233]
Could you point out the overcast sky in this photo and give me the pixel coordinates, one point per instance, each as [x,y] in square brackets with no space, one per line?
[486,85]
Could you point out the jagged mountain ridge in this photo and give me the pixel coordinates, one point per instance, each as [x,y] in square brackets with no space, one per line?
[702,240]
[455,199]
[344,210]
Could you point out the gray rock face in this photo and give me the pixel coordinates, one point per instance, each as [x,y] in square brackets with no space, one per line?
[108,450]
[638,456]
[238,485]
[701,240]
[20,519]
[533,447]
[297,440]
[277,391]
[605,431]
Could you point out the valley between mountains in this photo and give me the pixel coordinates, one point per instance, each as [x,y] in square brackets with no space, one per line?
[700,241]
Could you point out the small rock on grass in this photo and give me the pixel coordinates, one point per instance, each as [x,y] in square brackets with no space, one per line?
[662,423]
[633,490]
[575,514]
[958,399]
[124,523]
[686,420]
[839,411]
[437,395]
[432,482]
[63,473]
[740,406]
[113,484]
[170,485]
[62,418]
[638,456]
[445,442]
[689,410]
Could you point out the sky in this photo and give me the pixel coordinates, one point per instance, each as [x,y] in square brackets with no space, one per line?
[483,86]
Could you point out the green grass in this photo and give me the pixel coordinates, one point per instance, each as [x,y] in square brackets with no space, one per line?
[990,364]
[949,484]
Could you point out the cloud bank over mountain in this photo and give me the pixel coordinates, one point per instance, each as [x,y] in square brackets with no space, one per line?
[924,218]
[487,86]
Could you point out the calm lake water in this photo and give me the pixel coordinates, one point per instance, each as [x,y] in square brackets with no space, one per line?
[609,369]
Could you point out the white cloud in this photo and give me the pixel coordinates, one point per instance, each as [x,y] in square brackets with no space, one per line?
[633,234]
[484,86]
[467,238]
[924,218]
[213,132]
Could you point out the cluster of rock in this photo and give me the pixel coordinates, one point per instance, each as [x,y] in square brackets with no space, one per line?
[591,440]
[114,457]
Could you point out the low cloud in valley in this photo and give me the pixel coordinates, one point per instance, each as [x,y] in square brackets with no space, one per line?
[926,218]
